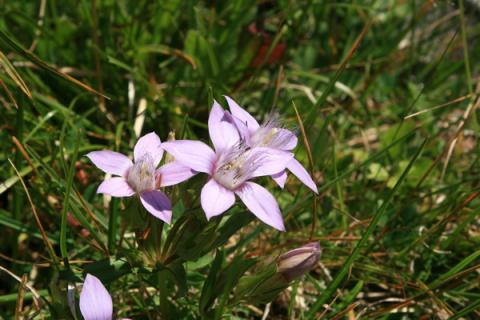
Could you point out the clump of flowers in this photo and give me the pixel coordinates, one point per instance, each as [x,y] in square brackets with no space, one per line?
[242,151]
[230,167]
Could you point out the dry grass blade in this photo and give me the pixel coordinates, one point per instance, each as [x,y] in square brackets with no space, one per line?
[33,58]
[170,52]
[446,104]
[466,115]
[36,297]
[13,74]
[21,295]
[310,160]
[24,153]
[140,118]
[9,94]
[339,72]
[37,218]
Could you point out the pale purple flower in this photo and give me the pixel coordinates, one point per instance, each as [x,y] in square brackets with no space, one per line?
[297,262]
[270,135]
[95,301]
[141,177]
[230,167]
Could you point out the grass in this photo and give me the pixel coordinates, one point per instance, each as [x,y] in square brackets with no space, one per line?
[384,96]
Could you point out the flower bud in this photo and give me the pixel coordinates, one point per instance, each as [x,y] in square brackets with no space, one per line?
[297,262]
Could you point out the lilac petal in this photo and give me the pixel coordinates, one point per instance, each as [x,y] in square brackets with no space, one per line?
[216,199]
[151,144]
[299,171]
[116,187]
[193,154]
[95,301]
[242,114]
[223,132]
[110,161]
[158,204]
[280,178]
[309,247]
[242,129]
[288,138]
[173,173]
[262,204]
[270,161]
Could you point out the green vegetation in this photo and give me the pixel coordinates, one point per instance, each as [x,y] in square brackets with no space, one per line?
[383,96]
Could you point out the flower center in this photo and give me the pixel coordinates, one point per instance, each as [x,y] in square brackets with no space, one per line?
[141,176]
[235,166]
[263,137]
[271,135]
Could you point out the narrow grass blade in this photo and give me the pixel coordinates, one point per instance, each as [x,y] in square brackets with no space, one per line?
[63,225]
[468,309]
[332,287]
[456,269]
[49,246]
[13,74]
[366,162]
[8,222]
[309,119]
[45,66]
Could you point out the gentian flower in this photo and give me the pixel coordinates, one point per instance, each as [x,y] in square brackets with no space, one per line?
[95,301]
[270,135]
[230,167]
[141,177]
[297,262]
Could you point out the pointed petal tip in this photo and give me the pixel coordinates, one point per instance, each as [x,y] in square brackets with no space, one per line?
[110,161]
[95,301]
[151,144]
[215,199]
[157,204]
[116,187]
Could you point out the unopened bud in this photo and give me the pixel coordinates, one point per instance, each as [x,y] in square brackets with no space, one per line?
[297,262]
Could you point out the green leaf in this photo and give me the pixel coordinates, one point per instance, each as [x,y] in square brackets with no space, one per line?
[208,294]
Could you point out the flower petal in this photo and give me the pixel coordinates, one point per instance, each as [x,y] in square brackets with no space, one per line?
[287,138]
[193,154]
[270,161]
[243,130]
[173,173]
[242,114]
[158,204]
[116,187]
[216,199]
[110,161]
[151,144]
[262,204]
[299,171]
[223,132]
[95,301]
[280,178]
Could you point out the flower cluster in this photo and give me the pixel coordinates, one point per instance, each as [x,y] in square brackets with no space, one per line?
[242,150]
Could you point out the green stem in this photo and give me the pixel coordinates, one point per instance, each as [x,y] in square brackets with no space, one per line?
[18,194]
[112,225]
[63,226]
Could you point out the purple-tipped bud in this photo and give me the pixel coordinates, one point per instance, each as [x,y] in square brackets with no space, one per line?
[297,262]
